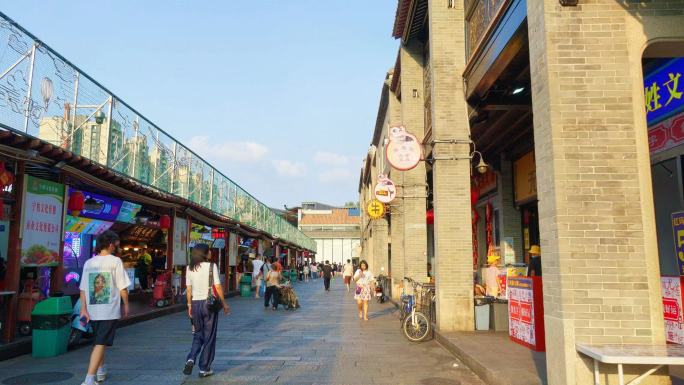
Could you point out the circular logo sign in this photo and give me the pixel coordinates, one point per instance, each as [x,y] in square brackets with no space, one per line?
[403,150]
[375,209]
[385,191]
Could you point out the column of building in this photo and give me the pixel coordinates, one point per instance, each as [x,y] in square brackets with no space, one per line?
[510,220]
[451,178]
[601,275]
[414,185]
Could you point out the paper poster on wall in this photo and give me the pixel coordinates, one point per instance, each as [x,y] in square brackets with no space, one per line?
[180,241]
[671,290]
[41,224]
[521,310]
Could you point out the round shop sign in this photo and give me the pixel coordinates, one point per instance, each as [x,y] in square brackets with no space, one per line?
[385,191]
[403,149]
[375,209]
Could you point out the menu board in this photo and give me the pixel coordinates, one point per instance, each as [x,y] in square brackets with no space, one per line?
[86,225]
[128,212]
[671,289]
[140,233]
[526,312]
[107,209]
[41,222]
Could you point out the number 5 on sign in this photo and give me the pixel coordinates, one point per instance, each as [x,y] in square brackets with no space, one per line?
[678,231]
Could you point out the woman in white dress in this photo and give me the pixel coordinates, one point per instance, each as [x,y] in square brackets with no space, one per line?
[364,288]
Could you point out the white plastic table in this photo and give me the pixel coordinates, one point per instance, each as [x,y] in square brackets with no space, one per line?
[655,355]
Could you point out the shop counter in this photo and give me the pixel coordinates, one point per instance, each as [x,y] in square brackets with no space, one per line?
[526,312]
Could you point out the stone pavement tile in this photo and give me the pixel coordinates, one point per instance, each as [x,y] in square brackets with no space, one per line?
[321,343]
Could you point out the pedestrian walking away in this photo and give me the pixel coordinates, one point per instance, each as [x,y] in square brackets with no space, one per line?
[104,284]
[272,282]
[327,272]
[314,271]
[364,288]
[203,289]
[348,271]
[307,273]
[257,276]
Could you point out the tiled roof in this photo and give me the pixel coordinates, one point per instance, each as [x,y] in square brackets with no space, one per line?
[337,217]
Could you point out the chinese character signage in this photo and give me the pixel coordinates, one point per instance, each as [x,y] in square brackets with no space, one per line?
[678,230]
[671,289]
[375,209]
[526,312]
[664,91]
[525,178]
[41,223]
[666,134]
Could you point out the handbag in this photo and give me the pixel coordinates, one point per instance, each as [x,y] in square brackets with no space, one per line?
[359,289]
[214,304]
[262,288]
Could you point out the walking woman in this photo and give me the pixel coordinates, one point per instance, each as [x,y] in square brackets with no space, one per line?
[364,288]
[307,273]
[272,285]
[202,276]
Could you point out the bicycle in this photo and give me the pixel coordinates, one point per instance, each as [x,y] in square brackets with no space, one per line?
[416,323]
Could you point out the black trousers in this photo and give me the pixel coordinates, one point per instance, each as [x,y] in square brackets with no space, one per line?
[272,291]
[326,283]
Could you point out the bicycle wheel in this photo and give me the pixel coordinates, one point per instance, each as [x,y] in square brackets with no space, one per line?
[418,330]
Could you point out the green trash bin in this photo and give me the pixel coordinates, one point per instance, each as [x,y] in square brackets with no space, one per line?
[246,285]
[51,325]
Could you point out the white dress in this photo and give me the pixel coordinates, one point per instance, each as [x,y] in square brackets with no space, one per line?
[364,285]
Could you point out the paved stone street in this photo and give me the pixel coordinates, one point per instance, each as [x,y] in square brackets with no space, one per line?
[322,343]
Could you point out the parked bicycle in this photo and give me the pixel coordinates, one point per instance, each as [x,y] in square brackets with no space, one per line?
[415,315]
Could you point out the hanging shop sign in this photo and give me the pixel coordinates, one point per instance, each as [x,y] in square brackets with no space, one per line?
[671,289]
[525,174]
[180,241]
[385,190]
[375,209]
[140,233]
[678,230]
[526,312]
[41,223]
[128,212]
[85,225]
[664,91]
[98,206]
[403,150]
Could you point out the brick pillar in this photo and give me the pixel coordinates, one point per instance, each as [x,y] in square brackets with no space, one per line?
[379,265]
[397,236]
[451,178]
[509,217]
[414,184]
[600,261]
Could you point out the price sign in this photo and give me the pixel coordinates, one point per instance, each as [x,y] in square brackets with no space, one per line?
[375,209]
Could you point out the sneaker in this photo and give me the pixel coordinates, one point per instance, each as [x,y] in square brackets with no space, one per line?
[101,376]
[206,374]
[187,370]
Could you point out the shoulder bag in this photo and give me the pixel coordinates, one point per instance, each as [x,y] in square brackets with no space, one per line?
[214,304]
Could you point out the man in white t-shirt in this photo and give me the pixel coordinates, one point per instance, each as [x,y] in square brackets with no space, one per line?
[348,271]
[104,283]
[257,274]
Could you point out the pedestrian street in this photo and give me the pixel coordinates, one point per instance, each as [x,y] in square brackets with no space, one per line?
[323,342]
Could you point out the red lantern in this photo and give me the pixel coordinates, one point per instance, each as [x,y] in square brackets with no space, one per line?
[476,217]
[474,196]
[430,216]
[76,203]
[164,222]
[6,177]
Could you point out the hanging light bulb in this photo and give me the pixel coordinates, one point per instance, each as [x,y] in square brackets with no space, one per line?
[46,90]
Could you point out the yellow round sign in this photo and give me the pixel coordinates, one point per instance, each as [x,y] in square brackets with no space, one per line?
[375,209]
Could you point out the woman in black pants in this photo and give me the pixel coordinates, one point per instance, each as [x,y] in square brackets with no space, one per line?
[272,283]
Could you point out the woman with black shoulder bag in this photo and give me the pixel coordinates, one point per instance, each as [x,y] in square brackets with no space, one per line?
[205,299]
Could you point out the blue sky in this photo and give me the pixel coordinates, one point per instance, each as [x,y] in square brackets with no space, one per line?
[279,95]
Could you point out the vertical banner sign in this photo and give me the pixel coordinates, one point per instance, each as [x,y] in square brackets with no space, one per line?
[232,249]
[41,222]
[671,289]
[526,312]
[678,229]
[180,241]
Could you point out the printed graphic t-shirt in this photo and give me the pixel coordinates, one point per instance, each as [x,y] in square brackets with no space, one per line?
[103,279]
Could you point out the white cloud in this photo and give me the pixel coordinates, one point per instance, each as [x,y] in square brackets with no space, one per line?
[331,158]
[289,168]
[337,175]
[231,151]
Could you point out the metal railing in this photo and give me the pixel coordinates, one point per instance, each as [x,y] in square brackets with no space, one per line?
[44,96]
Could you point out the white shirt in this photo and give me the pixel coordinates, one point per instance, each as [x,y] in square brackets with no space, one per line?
[102,281]
[257,264]
[199,280]
[348,269]
[363,278]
